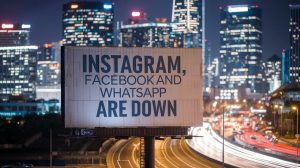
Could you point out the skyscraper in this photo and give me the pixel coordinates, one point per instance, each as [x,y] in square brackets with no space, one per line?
[273,72]
[17,62]
[187,15]
[285,56]
[294,59]
[241,50]
[18,72]
[147,35]
[88,23]
[14,34]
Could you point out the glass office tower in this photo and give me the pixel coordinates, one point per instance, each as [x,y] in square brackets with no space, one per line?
[187,15]
[14,34]
[88,24]
[240,51]
[18,72]
[148,35]
[294,55]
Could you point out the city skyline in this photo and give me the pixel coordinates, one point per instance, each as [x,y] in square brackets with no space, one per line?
[51,11]
[160,83]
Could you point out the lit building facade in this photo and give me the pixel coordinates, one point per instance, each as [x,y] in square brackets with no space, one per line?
[294,60]
[18,72]
[208,62]
[45,53]
[187,15]
[14,34]
[213,73]
[285,67]
[240,51]
[148,35]
[8,110]
[273,72]
[48,73]
[88,24]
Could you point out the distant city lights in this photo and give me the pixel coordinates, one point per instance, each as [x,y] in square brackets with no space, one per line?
[135,14]
[26,26]
[74,6]
[107,6]
[232,9]
[7,26]
[47,45]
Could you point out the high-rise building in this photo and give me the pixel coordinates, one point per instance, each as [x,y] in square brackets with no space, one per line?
[241,50]
[48,73]
[18,72]
[147,35]
[285,67]
[49,52]
[187,15]
[273,72]
[213,73]
[14,34]
[45,53]
[294,59]
[207,78]
[88,23]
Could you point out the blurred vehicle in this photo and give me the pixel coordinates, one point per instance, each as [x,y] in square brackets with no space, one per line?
[253,137]
[273,139]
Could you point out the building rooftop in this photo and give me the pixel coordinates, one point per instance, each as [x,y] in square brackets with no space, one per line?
[274,58]
[148,25]
[291,87]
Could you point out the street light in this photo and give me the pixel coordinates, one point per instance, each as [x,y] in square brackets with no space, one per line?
[281,122]
[223,151]
[274,112]
[297,136]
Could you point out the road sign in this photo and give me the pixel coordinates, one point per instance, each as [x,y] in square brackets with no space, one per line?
[131,87]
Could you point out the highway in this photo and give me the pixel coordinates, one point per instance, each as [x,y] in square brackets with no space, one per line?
[168,153]
[124,153]
[260,141]
[211,145]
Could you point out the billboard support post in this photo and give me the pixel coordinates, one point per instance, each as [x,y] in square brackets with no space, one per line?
[149,151]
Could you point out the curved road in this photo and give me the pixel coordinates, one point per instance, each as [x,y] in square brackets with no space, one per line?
[168,153]
[211,145]
[123,154]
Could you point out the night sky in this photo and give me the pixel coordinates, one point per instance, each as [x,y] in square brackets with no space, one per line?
[45,16]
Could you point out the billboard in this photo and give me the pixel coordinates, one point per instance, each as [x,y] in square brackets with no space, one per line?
[131,87]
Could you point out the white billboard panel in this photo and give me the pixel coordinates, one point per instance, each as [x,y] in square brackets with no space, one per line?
[132,87]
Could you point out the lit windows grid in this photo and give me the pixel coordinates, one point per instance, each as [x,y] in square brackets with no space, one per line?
[14,37]
[294,60]
[147,35]
[48,73]
[89,24]
[240,50]
[17,71]
[187,22]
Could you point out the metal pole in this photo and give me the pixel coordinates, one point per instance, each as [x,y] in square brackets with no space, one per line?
[297,135]
[50,148]
[140,152]
[281,122]
[274,120]
[223,164]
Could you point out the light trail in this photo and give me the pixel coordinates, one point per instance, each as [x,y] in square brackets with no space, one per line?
[211,145]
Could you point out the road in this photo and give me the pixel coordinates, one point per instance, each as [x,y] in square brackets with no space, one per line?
[260,141]
[168,153]
[124,153]
[211,145]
